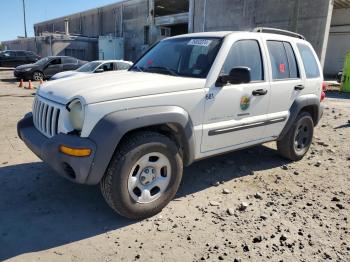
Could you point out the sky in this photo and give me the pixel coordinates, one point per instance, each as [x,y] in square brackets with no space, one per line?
[11,18]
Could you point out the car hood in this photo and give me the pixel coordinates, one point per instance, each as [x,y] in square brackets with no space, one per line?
[21,67]
[66,74]
[96,88]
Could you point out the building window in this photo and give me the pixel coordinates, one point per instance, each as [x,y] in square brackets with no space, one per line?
[146,35]
[170,7]
[165,31]
[77,53]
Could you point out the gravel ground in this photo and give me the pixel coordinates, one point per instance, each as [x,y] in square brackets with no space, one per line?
[250,205]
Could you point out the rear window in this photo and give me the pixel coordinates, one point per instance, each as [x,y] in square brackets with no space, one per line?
[310,63]
[283,61]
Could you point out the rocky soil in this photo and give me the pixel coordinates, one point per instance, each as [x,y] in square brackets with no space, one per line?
[250,205]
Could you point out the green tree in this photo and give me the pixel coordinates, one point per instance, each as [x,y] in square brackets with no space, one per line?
[2,46]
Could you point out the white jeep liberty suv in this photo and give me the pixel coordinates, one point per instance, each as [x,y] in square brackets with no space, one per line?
[189,97]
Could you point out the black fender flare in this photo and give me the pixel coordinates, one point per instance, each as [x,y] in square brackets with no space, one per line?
[299,104]
[109,131]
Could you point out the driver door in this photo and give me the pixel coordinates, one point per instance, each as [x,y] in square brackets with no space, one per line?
[235,114]
[53,67]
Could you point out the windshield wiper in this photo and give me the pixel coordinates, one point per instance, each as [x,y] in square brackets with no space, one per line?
[163,68]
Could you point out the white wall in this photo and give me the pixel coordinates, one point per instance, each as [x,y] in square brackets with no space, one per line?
[339,41]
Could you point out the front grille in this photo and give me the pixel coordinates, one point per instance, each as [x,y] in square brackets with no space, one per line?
[45,117]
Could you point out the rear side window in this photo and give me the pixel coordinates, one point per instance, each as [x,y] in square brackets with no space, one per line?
[292,61]
[21,53]
[69,60]
[245,53]
[283,61]
[123,66]
[309,60]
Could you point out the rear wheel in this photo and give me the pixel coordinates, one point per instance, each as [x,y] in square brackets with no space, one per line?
[37,76]
[143,176]
[297,141]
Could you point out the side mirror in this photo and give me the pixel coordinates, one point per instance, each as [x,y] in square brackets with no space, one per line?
[100,70]
[238,75]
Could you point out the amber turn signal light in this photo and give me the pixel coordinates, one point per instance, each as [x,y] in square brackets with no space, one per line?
[79,152]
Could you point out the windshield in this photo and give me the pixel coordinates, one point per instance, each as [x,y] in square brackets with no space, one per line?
[42,61]
[189,57]
[89,67]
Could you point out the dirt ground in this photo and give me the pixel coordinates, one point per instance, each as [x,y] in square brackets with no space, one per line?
[250,205]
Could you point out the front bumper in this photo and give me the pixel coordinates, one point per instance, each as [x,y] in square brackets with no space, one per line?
[76,169]
[22,74]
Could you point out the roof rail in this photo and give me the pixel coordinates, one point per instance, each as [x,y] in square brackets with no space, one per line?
[278,31]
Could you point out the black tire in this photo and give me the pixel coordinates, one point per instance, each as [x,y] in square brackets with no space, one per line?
[114,185]
[296,143]
[37,76]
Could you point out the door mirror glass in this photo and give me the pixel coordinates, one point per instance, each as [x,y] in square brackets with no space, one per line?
[238,75]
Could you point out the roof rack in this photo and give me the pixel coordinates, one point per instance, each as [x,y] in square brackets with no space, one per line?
[278,31]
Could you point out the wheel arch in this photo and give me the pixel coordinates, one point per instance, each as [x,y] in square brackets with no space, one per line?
[112,129]
[306,103]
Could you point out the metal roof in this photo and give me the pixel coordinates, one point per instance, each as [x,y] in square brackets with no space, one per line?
[338,4]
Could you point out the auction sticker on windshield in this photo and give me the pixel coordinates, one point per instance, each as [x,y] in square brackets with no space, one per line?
[200,42]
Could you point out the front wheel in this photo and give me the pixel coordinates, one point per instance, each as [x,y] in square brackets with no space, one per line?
[143,176]
[37,76]
[296,143]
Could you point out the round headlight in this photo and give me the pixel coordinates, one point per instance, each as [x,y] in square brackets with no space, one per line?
[76,114]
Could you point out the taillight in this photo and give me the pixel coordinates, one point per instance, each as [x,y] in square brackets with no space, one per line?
[324,89]
[324,86]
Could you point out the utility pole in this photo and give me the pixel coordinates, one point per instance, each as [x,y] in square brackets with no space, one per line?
[24,19]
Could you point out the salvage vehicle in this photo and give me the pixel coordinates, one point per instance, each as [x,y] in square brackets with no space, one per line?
[13,58]
[188,98]
[46,67]
[93,67]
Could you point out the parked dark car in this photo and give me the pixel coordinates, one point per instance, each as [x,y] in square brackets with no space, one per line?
[47,67]
[13,58]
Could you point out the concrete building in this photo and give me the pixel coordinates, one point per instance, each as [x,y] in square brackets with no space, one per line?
[140,23]
[339,41]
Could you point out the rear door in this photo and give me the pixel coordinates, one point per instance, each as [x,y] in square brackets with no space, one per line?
[21,58]
[235,114]
[286,83]
[69,63]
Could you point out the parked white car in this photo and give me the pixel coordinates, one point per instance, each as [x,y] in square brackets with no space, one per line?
[99,66]
[188,98]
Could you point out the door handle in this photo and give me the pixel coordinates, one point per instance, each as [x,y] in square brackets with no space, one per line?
[259,92]
[299,87]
